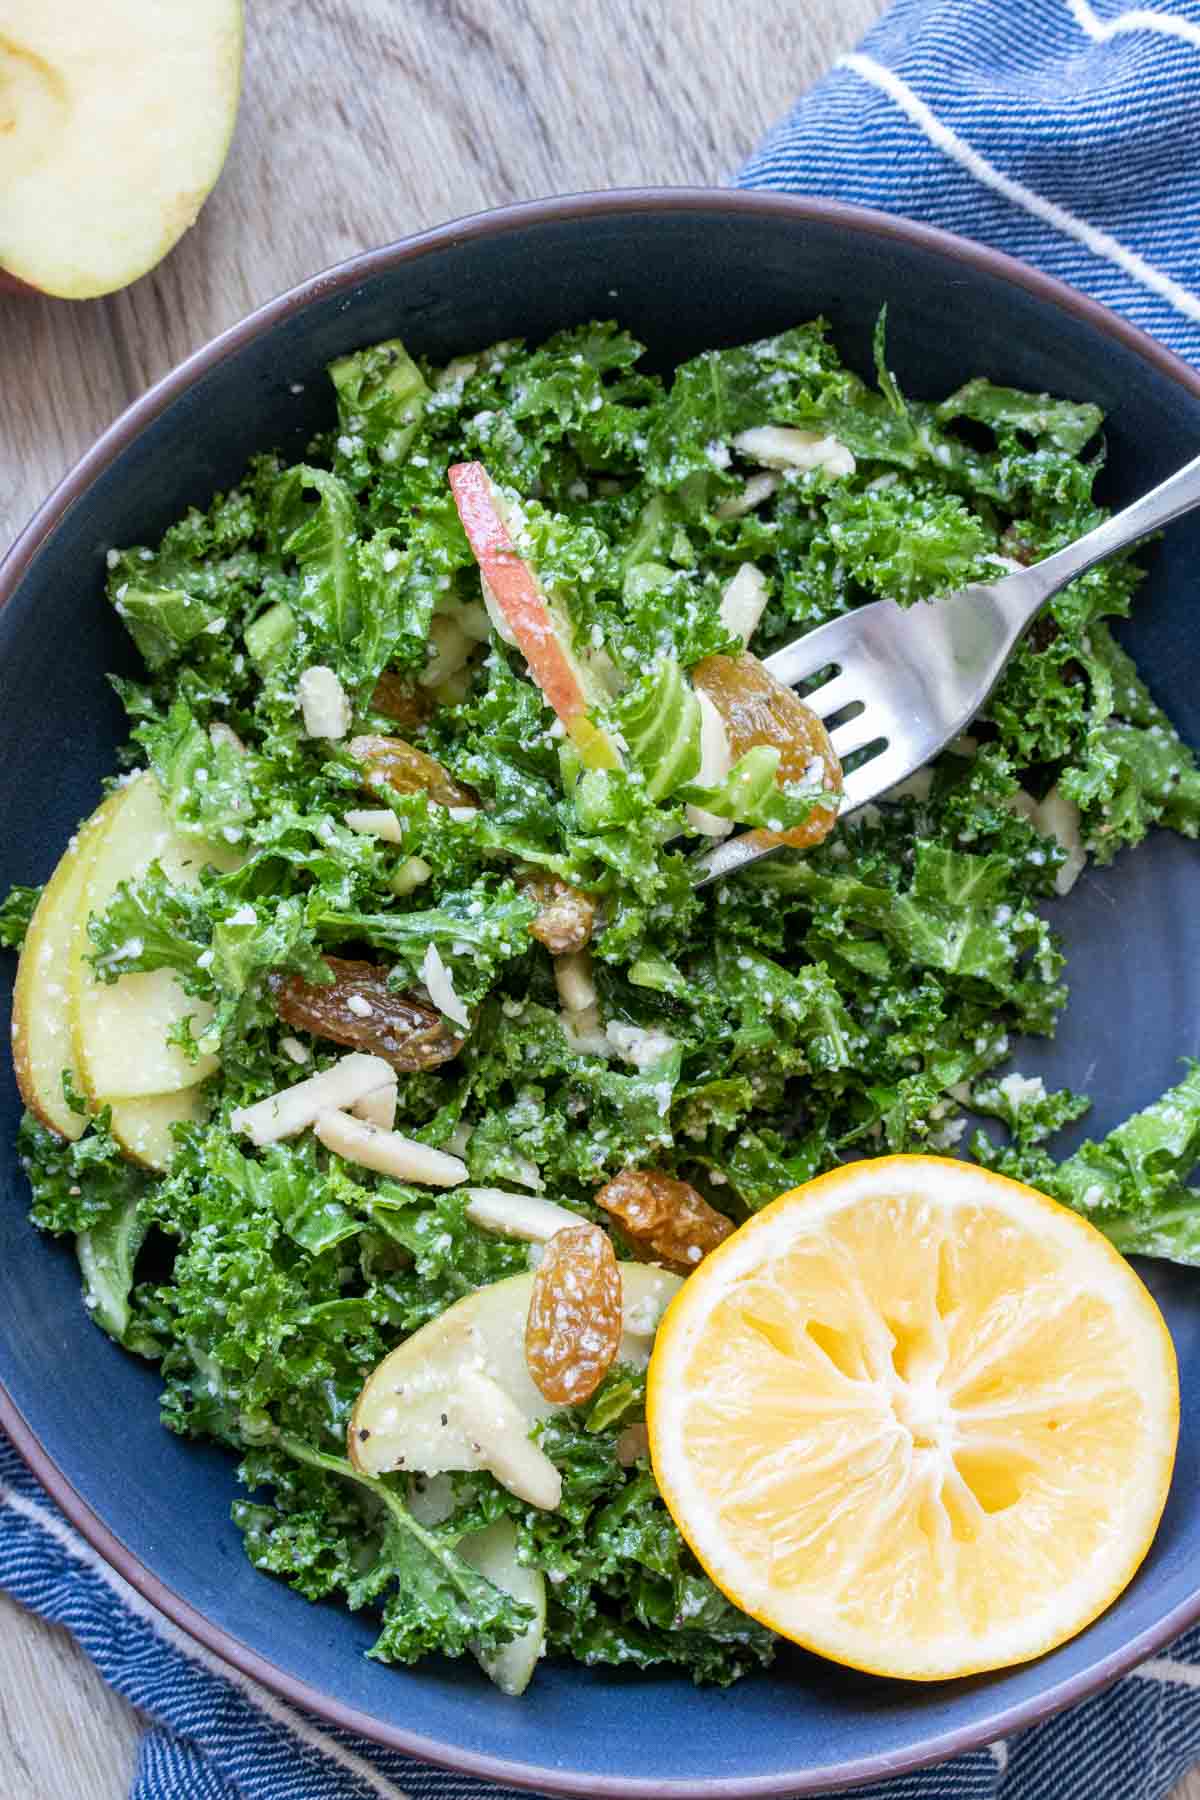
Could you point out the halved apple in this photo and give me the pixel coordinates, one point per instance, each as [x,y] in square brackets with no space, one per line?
[416,1410]
[541,632]
[120,1029]
[115,119]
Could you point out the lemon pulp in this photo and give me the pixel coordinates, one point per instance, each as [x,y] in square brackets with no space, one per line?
[917,1417]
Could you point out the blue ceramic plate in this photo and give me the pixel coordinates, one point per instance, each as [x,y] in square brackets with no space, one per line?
[684,271]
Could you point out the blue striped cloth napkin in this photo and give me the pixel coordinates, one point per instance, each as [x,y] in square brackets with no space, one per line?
[1062,131]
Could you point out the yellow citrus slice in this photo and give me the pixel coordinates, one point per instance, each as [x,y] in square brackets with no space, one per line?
[917,1417]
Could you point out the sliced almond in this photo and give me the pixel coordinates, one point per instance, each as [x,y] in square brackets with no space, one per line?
[378,1107]
[440,983]
[387,1152]
[756,490]
[498,1433]
[516,1215]
[573,979]
[371,821]
[743,601]
[323,703]
[783,447]
[294,1109]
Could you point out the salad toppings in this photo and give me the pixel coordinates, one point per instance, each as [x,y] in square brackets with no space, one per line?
[439,983]
[358,1005]
[390,762]
[388,1152]
[378,1107]
[401,701]
[665,1218]
[516,1215]
[760,714]
[536,622]
[497,1434]
[575,980]
[266,1002]
[916,1417]
[564,918]
[323,703]
[458,1394]
[294,1109]
[782,447]
[744,602]
[573,1330]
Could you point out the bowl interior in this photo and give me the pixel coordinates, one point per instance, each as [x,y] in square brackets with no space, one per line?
[682,274]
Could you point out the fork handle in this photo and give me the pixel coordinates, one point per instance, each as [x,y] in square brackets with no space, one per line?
[1179,493]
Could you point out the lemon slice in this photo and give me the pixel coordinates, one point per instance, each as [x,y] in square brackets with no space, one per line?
[916,1417]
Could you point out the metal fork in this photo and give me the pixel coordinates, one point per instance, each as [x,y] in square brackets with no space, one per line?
[918,675]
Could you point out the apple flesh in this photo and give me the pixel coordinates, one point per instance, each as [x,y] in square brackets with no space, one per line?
[398,1419]
[493,1551]
[537,626]
[121,1029]
[115,120]
[143,1127]
[42,1046]
[118,1031]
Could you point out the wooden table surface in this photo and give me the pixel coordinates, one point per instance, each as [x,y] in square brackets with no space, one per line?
[363,120]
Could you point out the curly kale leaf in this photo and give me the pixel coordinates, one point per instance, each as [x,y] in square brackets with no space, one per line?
[432,1599]
[16,911]
[908,542]
[624,1588]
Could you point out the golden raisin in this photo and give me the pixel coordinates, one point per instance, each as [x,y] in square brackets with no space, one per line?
[398,699]
[757,709]
[573,1329]
[664,1217]
[390,762]
[359,1008]
[565,915]
[632,1445]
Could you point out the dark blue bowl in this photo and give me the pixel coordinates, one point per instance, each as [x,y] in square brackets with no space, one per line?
[684,271]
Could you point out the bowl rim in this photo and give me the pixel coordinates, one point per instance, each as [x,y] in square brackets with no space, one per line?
[48,517]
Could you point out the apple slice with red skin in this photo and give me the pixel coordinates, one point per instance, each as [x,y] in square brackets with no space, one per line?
[542,634]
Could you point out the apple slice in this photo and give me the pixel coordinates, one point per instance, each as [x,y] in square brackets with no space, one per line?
[493,1551]
[120,1029]
[415,1411]
[538,626]
[115,119]
[41,1026]
[143,1127]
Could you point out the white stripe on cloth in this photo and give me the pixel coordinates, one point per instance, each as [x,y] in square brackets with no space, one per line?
[1175,1674]
[1137,19]
[275,1710]
[1100,243]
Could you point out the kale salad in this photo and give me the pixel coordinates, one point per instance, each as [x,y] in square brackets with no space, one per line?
[382,971]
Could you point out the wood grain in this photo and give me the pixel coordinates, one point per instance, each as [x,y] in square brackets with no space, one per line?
[363,120]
